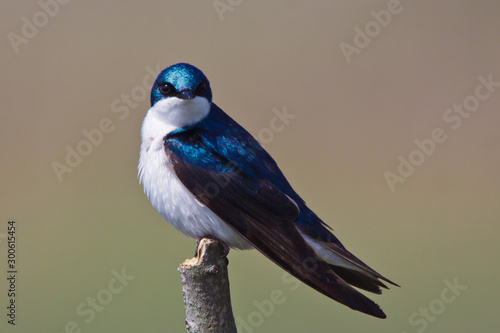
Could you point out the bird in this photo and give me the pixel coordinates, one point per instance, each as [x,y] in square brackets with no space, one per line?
[209,177]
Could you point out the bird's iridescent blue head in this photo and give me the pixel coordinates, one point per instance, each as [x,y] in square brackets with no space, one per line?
[183,81]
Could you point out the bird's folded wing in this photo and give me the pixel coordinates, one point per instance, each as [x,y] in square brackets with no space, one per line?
[261,214]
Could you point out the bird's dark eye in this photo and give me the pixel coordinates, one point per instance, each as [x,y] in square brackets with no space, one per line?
[202,88]
[166,89]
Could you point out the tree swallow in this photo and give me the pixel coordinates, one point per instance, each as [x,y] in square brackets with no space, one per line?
[208,177]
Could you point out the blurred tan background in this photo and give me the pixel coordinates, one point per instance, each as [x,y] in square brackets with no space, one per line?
[70,68]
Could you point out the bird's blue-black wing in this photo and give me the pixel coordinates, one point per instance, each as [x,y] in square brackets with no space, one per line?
[236,182]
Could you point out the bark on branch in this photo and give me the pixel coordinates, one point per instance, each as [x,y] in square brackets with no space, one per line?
[205,286]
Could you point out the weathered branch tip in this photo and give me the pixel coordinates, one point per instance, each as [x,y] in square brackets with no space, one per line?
[205,287]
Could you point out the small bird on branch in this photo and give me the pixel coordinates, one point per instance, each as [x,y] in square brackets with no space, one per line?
[208,177]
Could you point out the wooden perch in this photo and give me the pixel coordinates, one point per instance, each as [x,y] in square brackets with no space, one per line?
[205,286]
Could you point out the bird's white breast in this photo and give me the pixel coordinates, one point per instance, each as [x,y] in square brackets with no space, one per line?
[165,191]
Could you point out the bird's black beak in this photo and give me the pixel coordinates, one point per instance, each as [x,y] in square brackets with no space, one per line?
[186,94]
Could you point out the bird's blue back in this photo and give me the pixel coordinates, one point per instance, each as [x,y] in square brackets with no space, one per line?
[225,145]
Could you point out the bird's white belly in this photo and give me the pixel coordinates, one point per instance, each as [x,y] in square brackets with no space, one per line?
[175,203]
